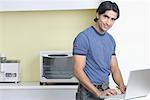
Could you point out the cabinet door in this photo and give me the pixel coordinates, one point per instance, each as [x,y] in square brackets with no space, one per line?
[38,94]
[28,5]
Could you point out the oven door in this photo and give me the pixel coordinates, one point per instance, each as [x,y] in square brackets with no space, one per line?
[57,66]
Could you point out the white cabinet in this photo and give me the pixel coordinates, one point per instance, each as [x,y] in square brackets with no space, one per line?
[36,92]
[33,5]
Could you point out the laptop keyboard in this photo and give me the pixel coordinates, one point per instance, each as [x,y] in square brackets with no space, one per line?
[114,97]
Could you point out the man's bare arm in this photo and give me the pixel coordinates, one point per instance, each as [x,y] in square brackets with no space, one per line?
[79,63]
[116,74]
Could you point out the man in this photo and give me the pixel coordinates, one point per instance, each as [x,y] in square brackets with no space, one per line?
[95,58]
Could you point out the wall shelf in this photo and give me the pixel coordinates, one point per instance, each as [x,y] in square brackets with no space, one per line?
[33,5]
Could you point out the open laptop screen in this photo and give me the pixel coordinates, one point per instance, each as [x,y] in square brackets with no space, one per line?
[138,85]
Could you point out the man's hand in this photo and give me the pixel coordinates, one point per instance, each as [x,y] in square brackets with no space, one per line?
[122,88]
[108,92]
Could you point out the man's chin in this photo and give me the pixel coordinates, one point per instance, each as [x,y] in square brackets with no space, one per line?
[105,29]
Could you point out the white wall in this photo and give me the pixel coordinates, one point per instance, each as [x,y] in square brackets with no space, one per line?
[131,32]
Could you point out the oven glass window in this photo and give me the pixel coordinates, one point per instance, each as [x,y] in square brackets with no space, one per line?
[55,67]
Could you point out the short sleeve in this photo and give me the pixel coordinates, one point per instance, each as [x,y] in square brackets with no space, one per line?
[114,53]
[114,50]
[80,45]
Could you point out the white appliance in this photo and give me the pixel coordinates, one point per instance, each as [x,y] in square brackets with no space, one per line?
[56,67]
[9,71]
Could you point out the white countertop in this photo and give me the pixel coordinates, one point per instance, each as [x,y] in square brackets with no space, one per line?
[34,85]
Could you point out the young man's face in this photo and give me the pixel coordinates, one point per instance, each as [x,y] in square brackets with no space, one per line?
[106,20]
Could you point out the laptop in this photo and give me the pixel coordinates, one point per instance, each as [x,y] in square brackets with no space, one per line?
[138,86]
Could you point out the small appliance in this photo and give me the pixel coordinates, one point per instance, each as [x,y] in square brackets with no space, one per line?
[9,70]
[56,67]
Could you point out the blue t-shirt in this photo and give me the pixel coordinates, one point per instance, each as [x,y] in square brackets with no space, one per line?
[98,50]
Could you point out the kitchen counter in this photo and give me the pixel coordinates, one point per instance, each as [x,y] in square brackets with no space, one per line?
[34,85]
[35,91]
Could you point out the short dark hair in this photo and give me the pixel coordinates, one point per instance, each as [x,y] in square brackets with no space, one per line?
[107,5]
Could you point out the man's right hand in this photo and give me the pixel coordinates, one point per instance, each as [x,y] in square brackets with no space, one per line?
[108,92]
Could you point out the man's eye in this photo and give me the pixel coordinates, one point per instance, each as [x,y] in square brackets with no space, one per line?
[106,16]
[113,19]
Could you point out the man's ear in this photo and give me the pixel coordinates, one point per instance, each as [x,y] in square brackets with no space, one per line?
[97,15]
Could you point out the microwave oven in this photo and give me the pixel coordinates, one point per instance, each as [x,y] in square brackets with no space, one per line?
[56,67]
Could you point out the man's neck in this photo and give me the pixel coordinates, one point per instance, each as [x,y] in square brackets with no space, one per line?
[98,30]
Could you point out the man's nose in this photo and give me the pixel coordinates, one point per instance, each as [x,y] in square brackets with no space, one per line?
[109,22]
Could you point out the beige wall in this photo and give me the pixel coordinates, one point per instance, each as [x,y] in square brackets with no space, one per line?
[24,34]
[1,31]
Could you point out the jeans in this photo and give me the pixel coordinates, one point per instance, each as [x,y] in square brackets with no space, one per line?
[83,94]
